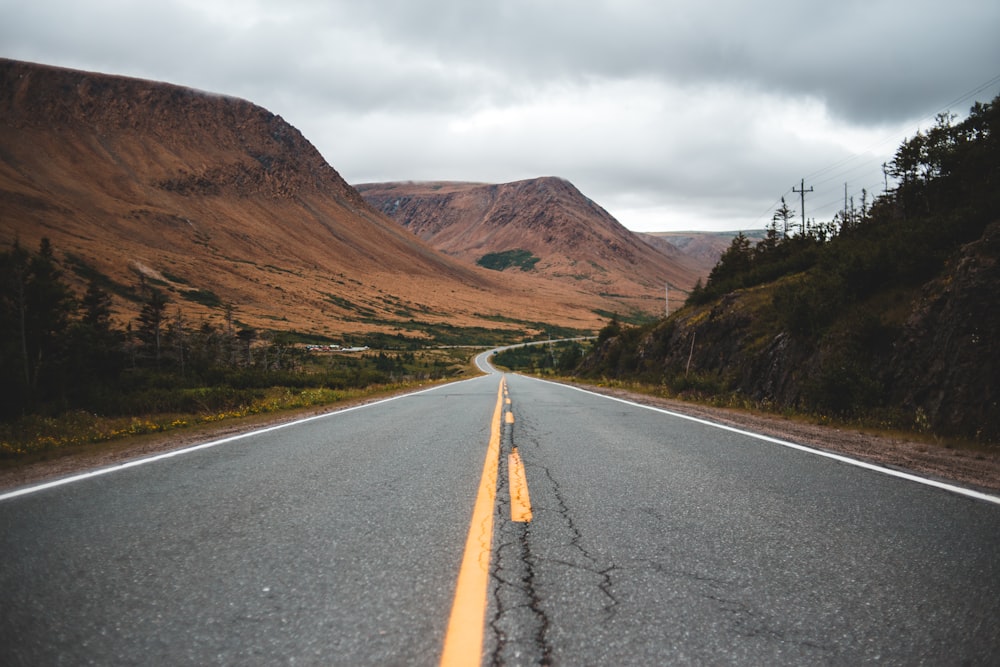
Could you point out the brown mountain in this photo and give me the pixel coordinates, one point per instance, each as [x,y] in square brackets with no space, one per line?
[704,248]
[219,201]
[544,227]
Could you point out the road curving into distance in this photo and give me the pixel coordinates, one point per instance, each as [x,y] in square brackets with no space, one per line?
[617,534]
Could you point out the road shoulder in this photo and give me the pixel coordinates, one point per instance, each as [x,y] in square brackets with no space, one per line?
[977,469]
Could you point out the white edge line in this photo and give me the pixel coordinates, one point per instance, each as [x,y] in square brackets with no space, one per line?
[23,491]
[971,493]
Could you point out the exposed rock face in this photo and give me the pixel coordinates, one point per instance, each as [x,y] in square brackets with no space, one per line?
[947,360]
[576,241]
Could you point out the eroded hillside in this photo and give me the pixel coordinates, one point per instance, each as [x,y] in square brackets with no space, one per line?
[544,227]
[220,202]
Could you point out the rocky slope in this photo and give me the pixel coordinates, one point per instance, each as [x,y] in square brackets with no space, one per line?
[219,201]
[946,362]
[888,317]
[937,372]
[571,240]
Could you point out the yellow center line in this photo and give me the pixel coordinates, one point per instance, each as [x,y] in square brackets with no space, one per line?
[463,642]
[520,502]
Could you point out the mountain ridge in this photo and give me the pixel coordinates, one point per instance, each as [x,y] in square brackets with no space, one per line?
[577,243]
[202,193]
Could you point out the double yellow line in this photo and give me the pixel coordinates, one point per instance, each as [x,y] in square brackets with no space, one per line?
[463,644]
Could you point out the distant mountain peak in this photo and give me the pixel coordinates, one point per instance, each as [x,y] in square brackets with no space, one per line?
[569,237]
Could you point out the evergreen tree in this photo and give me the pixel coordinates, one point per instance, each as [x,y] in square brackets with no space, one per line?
[782,218]
[13,314]
[49,306]
[206,349]
[246,337]
[152,319]
[176,338]
[734,263]
[36,307]
[570,357]
[97,347]
[609,331]
[14,366]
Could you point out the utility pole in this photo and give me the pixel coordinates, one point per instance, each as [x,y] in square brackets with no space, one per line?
[845,222]
[666,295]
[802,191]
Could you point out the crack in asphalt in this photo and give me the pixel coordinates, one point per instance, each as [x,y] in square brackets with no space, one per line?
[520,622]
[521,626]
[745,618]
[518,613]
[576,542]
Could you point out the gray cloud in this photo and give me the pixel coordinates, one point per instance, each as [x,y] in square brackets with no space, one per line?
[662,112]
[871,61]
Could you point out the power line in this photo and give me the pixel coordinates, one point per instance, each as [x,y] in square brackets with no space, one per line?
[895,136]
[866,154]
[802,191]
[771,207]
[842,174]
[969,95]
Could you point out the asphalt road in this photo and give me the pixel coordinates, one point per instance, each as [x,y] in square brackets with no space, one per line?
[660,540]
[653,540]
[336,541]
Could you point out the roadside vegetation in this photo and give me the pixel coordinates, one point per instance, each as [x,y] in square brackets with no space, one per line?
[886,315]
[73,377]
[547,359]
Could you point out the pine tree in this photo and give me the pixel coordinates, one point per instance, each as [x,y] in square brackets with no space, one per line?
[13,315]
[176,337]
[152,318]
[246,337]
[783,215]
[14,366]
[98,348]
[734,263]
[50,304]
[36,307]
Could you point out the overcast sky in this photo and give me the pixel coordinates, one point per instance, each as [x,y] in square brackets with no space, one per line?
[671,114]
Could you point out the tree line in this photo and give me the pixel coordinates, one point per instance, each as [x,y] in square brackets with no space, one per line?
[558,357]
[947,191]
[839,303]
[60,352]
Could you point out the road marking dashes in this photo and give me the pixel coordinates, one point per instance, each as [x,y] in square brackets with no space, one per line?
[520,502]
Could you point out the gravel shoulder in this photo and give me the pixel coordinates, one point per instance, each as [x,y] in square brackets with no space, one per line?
[977,469]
